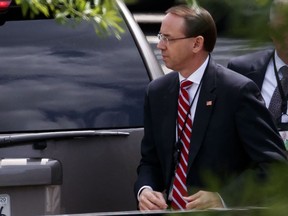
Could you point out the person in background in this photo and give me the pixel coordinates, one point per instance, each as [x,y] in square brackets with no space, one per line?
[269,68]
[206,128]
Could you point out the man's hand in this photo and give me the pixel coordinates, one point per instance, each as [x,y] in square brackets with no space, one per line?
[151,200]
[204,200]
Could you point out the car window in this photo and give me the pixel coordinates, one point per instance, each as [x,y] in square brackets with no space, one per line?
[55,77]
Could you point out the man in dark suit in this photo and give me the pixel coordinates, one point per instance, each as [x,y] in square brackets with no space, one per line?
[264,67]
[224,123]
[269,68]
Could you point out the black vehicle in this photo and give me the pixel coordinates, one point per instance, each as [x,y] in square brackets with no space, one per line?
[74,99]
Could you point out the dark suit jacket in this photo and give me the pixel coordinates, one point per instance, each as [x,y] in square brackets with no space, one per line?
[233,134]
[252,65]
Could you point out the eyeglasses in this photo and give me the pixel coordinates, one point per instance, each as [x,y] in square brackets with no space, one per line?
[164,39]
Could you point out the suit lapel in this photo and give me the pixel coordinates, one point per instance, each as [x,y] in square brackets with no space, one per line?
[258,69]
[203,112]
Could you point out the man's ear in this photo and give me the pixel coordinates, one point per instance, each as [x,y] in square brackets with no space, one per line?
[198,44]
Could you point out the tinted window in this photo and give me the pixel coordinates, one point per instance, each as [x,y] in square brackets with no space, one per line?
[55,77]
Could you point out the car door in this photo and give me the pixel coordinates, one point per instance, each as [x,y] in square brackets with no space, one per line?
[74,97]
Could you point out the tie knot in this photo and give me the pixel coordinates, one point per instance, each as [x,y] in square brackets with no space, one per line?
[284,71]
[186,84]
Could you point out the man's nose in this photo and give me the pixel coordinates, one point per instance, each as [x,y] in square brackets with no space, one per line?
[161,45]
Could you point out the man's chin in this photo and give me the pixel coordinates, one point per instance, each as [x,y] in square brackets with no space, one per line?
[167,65]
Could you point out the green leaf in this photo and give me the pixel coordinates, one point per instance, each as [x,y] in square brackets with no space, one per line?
[103,13]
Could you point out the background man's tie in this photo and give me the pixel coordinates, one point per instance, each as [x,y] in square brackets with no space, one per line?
[184,133]
[276,100]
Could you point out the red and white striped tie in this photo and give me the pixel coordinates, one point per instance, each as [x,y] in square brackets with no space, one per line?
[184,133]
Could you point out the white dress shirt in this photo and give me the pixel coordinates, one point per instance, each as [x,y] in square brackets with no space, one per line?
[270,82]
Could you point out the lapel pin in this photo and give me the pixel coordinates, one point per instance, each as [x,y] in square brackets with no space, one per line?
[208,103]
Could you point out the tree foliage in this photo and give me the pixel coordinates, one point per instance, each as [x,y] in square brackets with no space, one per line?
[102,13]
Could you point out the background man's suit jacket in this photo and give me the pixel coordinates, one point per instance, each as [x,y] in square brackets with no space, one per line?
[252,65]
[229,136]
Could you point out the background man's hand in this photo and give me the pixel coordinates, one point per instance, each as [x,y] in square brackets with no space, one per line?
[204,200]
[151,200]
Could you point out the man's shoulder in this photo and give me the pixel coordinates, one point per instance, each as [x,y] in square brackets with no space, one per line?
[230,76]
[165,80]
[259,57]
[250,61]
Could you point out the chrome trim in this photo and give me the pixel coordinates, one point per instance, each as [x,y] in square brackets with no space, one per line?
[28,137]
[150,61]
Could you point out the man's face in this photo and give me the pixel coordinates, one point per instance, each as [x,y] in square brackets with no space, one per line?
[279,30]
[175,53]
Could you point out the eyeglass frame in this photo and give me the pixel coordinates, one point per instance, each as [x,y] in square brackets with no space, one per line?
[163,38]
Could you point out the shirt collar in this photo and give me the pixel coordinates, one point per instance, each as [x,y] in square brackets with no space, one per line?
[198,74]
[278,61]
